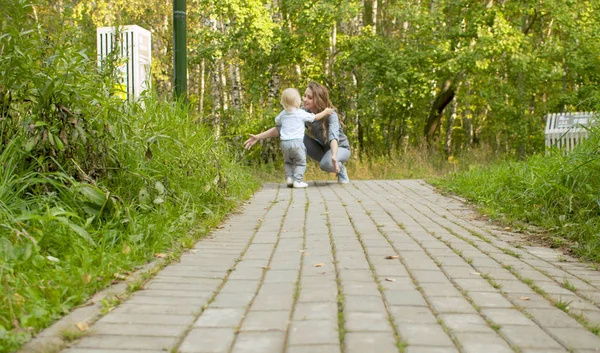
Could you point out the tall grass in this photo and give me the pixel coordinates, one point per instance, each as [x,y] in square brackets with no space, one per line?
[558,192]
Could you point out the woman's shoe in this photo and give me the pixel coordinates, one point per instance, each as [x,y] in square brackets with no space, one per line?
[300,184]
[343,175]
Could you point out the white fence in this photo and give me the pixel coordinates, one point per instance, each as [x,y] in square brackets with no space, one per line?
[566,130]
[135,48]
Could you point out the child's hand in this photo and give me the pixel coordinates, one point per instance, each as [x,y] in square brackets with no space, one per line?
[328,111]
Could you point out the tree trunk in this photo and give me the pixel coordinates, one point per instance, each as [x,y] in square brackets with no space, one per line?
[202,87]
[440,102]
[235,88]
[467,124]
[216,98]
[451,119]
[272,85]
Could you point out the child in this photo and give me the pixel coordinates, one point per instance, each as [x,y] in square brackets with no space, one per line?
[292,120]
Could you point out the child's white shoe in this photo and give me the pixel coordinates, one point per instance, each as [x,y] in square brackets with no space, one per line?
[300,184]
[289,182]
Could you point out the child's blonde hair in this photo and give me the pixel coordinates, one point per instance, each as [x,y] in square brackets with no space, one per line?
[290,99]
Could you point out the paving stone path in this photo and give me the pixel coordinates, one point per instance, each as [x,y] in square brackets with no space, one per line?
[370,266]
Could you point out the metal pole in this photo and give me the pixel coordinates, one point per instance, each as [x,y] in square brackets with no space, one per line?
[180,48]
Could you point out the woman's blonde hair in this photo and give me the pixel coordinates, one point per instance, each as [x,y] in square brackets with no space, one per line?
[290,98]
[321,98]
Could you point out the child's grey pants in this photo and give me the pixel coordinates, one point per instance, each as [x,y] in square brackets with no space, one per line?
[294,158]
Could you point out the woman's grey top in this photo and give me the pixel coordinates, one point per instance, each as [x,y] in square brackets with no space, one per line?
[334,132]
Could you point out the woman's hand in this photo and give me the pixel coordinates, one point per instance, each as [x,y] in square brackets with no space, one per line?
[334,148]
[251,141]
[336,167]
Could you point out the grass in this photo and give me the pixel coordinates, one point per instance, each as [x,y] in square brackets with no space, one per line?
[556,192]
[64,237]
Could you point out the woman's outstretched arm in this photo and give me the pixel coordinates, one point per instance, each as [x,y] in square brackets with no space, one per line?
[272,132]
[334,148]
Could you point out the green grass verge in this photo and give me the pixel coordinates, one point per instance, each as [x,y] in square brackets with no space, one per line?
[558,192]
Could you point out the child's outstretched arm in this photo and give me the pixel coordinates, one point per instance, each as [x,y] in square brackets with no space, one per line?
[323,114]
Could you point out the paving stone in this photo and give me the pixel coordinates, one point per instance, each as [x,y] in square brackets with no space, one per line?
[429,349]
[440,290]
[318,294]
[155,330]
[390,283]
[232,300]
[173,293]
[356,275]
[423,334]
[205,340]
[94,350]
[181,287]
[330,348]
[409,297]
[313,332]
[507,317]
[489,300]
[451,305]
[424,276]
[316,311]
[361,321]
[578,338]
[239,286]
[474,342]
[363,303]
[361,342]
[528,337]
[412,314]
[259,342]
[474,285]
[276,275]
[266,321]
[530,300]
[130,307]
[127,342]
[163,319]
[267,301]
[553,318]
[465,323]
[220,317]
[360,288]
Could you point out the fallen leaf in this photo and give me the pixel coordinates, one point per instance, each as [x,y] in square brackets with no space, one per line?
[266,267]
[119,276]
[390,279]
[508,229]
[160,255]
[303,250]
[391,257]
[524,298]
[322,273]
[126,250]
[220,227]
[319,264]
[82,326]
[475,273]
[87,278]
[193,251]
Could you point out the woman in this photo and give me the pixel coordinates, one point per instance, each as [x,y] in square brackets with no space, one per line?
[325,140]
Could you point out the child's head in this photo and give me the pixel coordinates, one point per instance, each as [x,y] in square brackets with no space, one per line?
[290,99]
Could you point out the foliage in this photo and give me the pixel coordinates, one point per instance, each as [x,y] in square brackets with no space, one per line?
[91,187]
[558,192]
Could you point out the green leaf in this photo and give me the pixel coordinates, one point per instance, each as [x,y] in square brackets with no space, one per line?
[92,194]
[160,188]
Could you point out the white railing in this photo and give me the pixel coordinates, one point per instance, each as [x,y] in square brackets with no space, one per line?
[566,130]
